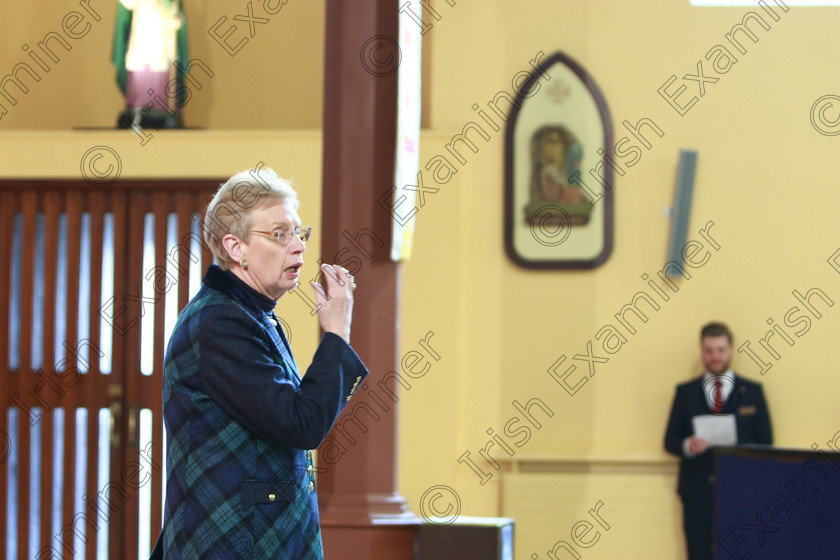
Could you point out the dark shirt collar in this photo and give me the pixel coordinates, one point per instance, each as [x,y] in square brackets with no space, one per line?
[232,286]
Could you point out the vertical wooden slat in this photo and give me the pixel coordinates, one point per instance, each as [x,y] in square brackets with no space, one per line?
[131,374]
[202,200]
[51,399]
[96,390]
[163,284]
[73,212]
[184,208]
[96,210]
[29,204]
[121,245]
[25,417]
[6,232]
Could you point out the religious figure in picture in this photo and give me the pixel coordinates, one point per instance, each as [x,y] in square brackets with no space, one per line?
[555,159]
[150,55]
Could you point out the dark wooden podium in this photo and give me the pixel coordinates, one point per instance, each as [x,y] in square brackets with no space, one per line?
[776,504]
[467,538]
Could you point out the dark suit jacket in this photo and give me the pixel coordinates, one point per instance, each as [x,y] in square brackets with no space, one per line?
[752,419]
[239,423]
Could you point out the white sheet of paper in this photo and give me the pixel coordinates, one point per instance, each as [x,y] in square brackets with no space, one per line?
[716,429]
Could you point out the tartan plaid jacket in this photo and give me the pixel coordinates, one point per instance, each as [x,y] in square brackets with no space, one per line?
[239,421]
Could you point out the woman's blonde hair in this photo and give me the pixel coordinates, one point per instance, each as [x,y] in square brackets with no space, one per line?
[232,205]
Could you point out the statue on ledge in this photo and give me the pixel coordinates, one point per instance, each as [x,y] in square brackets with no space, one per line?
[149,53]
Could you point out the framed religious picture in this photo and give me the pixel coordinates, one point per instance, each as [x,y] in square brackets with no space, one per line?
[558,169]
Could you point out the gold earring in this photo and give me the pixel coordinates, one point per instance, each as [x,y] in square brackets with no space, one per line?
[243,263]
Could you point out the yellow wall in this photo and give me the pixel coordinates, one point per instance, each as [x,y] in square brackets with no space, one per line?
[764,177]
[272,80]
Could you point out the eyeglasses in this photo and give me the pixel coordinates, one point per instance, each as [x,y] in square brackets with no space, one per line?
[283,235]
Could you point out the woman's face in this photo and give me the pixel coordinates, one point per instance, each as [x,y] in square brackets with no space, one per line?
[273,266]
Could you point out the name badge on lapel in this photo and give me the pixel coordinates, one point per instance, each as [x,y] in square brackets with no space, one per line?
[746,410]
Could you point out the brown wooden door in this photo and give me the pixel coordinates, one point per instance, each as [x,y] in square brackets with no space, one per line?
[92,279]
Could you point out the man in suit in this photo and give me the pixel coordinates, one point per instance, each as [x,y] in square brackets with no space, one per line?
[718,391]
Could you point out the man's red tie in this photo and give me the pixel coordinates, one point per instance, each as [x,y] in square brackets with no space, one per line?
[718,396]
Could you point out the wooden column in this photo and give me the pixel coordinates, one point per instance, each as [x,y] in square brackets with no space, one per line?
[362,514]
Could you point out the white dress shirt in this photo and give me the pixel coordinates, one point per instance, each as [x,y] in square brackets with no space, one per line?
[727,380]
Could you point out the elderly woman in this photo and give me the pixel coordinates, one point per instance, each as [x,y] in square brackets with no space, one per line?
[240,420]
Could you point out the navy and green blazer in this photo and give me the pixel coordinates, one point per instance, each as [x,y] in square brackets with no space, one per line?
[239,423]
